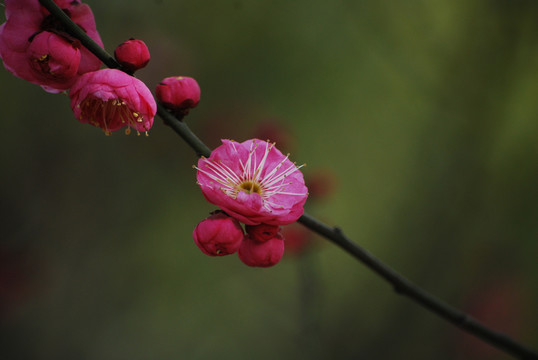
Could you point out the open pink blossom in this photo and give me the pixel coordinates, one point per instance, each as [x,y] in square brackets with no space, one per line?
[253,182]
[25,21]
[261,254]
[218,235]
[111,99]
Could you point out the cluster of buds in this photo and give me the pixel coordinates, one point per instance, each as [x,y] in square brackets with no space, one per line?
[36,47]
[220,234]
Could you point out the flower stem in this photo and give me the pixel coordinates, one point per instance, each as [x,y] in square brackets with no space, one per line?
[401,285]
[181,128]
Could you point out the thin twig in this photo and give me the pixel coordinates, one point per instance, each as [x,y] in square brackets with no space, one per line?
[401,285]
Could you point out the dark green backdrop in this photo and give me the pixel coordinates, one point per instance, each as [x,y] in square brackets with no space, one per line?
[425,111]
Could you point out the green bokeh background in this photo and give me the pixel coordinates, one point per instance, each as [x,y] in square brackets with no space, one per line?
[425,111]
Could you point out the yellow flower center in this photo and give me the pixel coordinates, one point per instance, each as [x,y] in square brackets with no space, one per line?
[250,187]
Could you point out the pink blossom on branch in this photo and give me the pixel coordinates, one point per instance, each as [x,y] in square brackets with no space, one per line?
[53,61]
[111,99]
[253,182]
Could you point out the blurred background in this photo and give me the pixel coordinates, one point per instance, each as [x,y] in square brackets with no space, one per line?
[418,121]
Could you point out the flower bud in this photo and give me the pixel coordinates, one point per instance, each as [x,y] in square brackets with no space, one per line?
[218,235]
[262,232]
[178,94]
[54,58]
[132,54]
[261,254]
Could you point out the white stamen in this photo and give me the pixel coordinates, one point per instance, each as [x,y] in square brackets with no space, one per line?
[270,184]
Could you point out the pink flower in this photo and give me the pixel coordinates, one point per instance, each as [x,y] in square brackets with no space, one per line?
[26,21]
[111,99]
[262,232]
[218,235]
[132,54]
[178,93]
[261,254]
[253,182]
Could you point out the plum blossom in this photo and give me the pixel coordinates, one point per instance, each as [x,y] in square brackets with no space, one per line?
[35,46]
[111,99]
[253,182]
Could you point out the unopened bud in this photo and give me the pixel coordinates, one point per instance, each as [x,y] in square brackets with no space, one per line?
[261,254]
[178,94]
[262,232]
[218,235]
[54,57]
[132,54]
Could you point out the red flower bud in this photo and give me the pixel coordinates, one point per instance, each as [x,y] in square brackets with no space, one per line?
[261,254]
[178,94]
[53,58]
[218,235]
[132,55]
[262,232]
